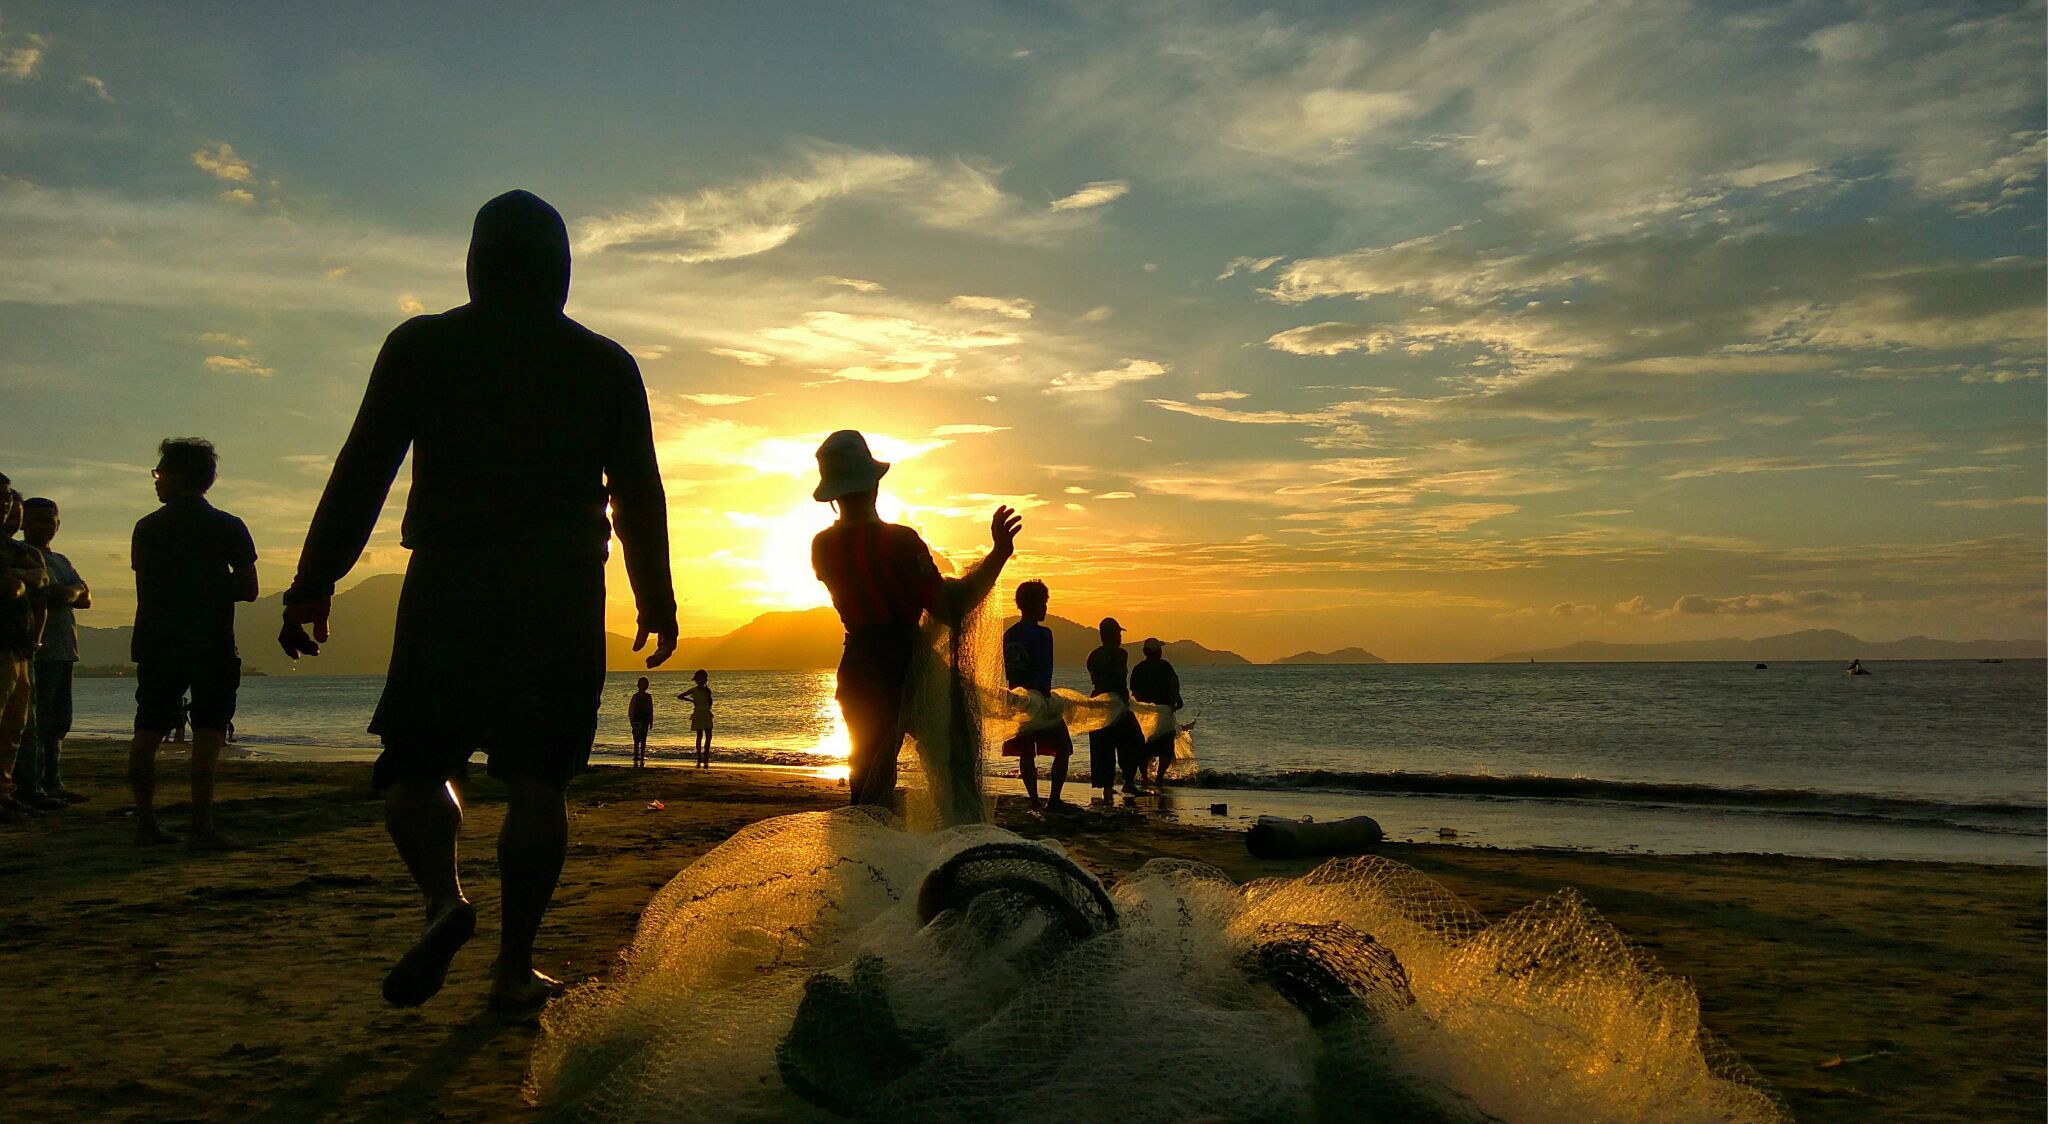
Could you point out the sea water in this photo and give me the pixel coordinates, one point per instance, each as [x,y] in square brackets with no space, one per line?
[1921,760]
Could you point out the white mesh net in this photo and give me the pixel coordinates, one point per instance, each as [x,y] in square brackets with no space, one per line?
[832,965]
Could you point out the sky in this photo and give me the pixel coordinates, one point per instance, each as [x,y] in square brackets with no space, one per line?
[1441,329]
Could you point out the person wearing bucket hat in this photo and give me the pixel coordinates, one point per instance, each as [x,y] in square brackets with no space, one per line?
[882,580]
[1122,742]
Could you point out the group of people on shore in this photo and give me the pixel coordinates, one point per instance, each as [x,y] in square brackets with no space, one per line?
[532,448]
[192,562]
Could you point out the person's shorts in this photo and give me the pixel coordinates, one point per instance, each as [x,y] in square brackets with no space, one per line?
[640,730]
[1160,747]
[700,723]
[1053,741]
[160,687]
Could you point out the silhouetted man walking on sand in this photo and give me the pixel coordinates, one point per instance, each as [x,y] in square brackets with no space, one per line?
[882,580]
[192,561]
[523,424]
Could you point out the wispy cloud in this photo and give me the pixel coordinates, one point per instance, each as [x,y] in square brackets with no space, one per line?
[1015,308]
[1129,371]
[1096,194]
[220,161]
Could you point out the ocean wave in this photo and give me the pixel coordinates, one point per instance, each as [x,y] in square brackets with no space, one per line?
[1852,805]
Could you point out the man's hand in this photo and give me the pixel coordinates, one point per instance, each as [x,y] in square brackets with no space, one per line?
[1003,528]
[292,637]
[664,646]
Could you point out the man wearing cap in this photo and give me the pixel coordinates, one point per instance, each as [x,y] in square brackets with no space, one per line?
[1122,742]
[882,580]
[1154,681]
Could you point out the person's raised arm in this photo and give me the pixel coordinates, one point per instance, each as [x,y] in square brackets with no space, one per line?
[970,589]
[355,493]
[640,517]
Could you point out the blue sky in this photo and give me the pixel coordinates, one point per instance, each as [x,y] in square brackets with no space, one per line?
[1440,329]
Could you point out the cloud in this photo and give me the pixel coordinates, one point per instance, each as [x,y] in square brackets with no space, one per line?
[1015,308]
[878,348]
[1221,396]
[857,284]
[98,88]
[409,305]
[755,216]
[1247,265]
[1130,370]
[1331,338]
[238,196]
[1757,604]
[1096,194]
[238,365]
[20,60]
[961,430]
[220,161]
[718,399]
[741,355]
[1993,503]
[1097,314]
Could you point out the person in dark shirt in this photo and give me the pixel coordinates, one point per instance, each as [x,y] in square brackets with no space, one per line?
[1120,743]
[523,425]
[1154,681]
[882,580]
[640,714]
[192,562]
[1027,663]
[699,698]
[22,581]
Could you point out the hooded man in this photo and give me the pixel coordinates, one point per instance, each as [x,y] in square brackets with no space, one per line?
[523,425]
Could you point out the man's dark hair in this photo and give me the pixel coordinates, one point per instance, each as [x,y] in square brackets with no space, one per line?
[1033,588]
[5,483]
[40,502]
[191,459]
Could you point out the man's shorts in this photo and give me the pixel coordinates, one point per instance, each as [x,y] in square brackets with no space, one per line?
[160,687]
[1052,740]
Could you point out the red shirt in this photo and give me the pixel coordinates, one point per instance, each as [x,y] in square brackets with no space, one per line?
[878,573]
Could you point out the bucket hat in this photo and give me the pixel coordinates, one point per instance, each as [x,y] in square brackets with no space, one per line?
[845,466]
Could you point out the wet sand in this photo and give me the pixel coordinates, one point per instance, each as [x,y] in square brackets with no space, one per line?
[153,985]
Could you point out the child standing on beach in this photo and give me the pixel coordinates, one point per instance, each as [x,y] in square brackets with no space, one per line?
[699,698]
[640,712]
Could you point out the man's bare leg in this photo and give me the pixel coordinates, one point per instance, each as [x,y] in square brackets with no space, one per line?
[531,847]
[424,816]
[142,784]
[205,835]
[1027,766]
[1059,775]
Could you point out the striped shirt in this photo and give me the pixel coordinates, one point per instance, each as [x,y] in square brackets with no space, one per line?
[877,573]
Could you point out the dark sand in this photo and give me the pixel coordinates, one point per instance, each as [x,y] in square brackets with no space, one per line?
[150,985]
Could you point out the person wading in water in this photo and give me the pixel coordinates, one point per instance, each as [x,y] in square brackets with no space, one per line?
[882,579]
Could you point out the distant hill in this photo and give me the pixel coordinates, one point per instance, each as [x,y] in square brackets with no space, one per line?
[1340,656]
[1809,644]
[364,614]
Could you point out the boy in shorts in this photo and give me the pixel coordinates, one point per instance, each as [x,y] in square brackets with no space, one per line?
[1027,663]
[192,562]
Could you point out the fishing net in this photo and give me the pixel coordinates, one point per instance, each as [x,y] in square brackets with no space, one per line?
[958,710]
[832,965]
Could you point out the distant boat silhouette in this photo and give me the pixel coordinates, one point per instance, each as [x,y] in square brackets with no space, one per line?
[1990,661]
[1763,667]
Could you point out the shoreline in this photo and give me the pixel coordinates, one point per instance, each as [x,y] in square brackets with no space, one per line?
[1539,821]
[152,984]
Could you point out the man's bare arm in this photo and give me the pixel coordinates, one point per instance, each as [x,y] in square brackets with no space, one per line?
[244,577]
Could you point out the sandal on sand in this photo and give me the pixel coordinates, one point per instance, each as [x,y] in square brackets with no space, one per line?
[420,973]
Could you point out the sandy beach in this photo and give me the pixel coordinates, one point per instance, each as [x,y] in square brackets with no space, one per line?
[152,985]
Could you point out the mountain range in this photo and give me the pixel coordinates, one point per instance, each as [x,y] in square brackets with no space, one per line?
[1808,644]
[805,639]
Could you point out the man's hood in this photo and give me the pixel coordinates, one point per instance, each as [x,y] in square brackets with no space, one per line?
[519,254]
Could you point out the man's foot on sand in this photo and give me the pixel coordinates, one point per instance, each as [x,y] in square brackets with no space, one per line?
[43,802]
[68,796]
[524,994]
[1059,808]
[151,835]
[210,839]
[420,973]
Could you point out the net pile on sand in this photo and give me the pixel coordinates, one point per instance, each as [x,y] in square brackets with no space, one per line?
[831,965]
